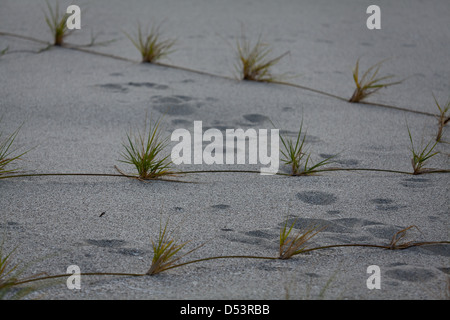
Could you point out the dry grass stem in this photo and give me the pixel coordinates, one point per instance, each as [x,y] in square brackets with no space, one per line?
[398,236]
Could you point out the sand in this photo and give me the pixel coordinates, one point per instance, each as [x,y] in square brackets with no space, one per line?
[76,109]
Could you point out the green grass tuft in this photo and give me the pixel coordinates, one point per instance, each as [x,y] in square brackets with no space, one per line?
[166,251]
[443,118]
[294,155]
[9,278]
[7,157]
[144,152]
[254,63]
[368,83]
[421,156]
[293,245]
[57,22]
[151,45]
[6,271]
[396,243]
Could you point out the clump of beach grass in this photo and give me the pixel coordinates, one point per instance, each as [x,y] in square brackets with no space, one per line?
[6,270]
[295,155]
[166,251]
[9,277]
[57,22]
[7,154]
[254,62]
[144,150]
[291,245]
[368,83]
[421,156]
[151,44]
[443,117]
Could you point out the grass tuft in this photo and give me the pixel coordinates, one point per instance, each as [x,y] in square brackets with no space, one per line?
[420,157]
[293,245]
[151,45]
[57,22]
[294,155]
[254,63]
[443,118]
[6,280]
[7,156]
[368,83]
[9,275]
[144,150]
[165,251]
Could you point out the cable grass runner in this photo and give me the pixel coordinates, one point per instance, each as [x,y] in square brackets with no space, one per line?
[274,80]
[396,243]
[368,83]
